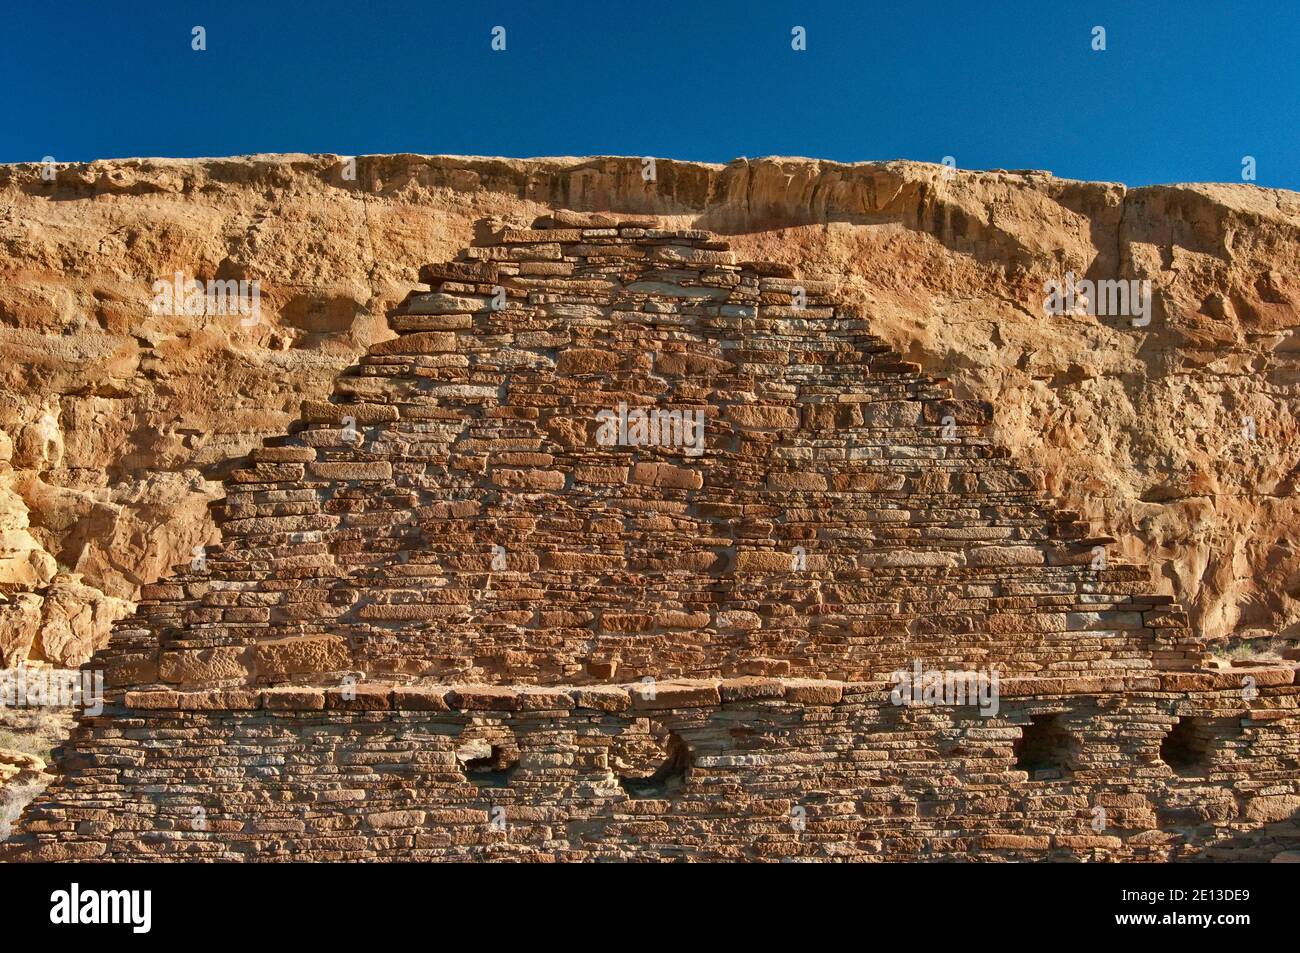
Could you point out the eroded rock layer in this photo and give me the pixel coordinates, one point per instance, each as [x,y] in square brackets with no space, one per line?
[417,634]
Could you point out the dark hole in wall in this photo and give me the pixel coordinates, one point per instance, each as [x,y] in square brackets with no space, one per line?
[1045,749]
[667,779]
[1190,745]
[486,765]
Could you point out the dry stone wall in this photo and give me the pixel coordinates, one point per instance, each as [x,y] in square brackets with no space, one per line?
[454,513]
[472,607]
[751,768]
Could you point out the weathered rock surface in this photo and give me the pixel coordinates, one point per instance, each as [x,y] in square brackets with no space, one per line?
[117,421]
[62,623]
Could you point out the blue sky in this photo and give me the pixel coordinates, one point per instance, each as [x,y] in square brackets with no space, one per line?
[1183,91]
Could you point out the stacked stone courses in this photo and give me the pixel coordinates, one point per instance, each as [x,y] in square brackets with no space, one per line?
[445,621]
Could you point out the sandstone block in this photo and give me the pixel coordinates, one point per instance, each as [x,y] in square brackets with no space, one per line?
[760,417]
[813,692]
[1029,842]
[1270,809]
[436,303]
[378,470]
[323,412]
[387,819]
[419,342]
[764,561]
[293,699]
[529,480]
[667,475]
[284,454]
[586,361]
[359,698]
[483,698]
[1004,556]
[674,694]
[610,698]
[298,655]
[797,482]
[205,665]
[417,698]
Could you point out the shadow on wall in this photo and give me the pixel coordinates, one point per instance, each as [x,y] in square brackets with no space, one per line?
[1278,840]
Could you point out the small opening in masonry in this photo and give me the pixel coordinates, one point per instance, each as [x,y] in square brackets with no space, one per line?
[1045,749]
[1188,747]
[667,779]
[485,765]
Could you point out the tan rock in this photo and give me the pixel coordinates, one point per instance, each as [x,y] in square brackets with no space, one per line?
[63,623]
[301,654]
[756,417]
[206,665]
[667,475]
[420,342]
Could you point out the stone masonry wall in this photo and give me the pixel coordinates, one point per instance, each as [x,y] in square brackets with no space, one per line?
[453,515]
[771,771]
[448,619]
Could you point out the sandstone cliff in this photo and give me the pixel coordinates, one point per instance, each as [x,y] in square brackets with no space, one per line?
[116,420]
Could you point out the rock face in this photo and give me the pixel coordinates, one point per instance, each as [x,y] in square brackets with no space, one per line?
[62,623]
[119,422]
[625,547]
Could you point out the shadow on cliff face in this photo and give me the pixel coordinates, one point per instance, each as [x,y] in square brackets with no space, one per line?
[745,196]
[772,194]
[68,186]
[70,182]
[320,315]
